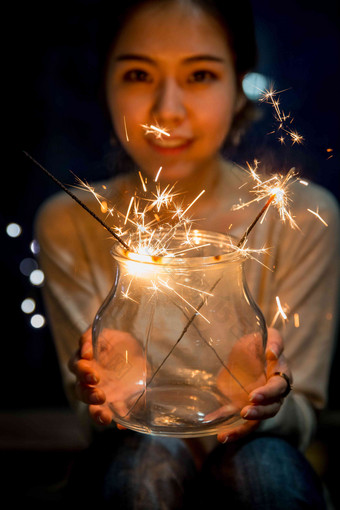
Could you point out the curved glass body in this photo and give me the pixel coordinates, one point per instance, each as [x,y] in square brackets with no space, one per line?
[179,341]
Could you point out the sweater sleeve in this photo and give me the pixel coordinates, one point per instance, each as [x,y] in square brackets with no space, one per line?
[69,290]
[307,279]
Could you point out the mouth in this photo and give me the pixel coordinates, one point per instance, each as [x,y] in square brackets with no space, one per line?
[170,145]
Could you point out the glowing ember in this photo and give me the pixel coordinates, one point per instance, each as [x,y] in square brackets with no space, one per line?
[155,130]
[271,96]
[275,190]
[316,213]
[280,312]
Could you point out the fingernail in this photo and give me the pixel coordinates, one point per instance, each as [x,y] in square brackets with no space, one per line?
[256,397]
[94,398]
[274,354]
[225,440]
[251,413]
[91,379]
[86,350]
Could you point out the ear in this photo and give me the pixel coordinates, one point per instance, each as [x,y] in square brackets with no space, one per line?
[241,100]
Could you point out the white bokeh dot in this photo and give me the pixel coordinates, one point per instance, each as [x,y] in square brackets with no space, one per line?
[38,321]
[13,230]
[28,305]
[37,277]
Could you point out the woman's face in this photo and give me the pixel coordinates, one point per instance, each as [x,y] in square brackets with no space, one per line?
[172,67]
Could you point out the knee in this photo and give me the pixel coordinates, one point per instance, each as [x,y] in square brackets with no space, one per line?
[150,473]
[266,473]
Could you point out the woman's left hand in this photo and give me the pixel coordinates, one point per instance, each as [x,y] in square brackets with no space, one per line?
[266,400]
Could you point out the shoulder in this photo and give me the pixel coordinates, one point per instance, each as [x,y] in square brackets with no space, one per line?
[60,214]
[312,206]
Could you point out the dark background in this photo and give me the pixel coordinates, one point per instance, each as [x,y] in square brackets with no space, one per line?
[56,117]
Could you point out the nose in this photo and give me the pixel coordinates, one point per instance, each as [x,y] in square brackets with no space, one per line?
[169,105]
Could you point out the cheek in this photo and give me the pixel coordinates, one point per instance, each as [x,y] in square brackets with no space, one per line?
[127,113]
[217,111]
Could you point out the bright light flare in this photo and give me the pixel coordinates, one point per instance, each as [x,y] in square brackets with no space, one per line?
[272,97]
[316,213]
[275,190]
[157,131]
[281,311]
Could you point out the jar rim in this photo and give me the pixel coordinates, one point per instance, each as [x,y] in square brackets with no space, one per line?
[220,248]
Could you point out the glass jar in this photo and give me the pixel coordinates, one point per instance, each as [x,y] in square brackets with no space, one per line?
[179,341]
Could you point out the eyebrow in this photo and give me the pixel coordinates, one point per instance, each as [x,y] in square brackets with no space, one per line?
[194,58]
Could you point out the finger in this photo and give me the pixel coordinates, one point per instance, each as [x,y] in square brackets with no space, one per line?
[101,414]
[85,372]
[261,412]
[274,347]
[85,345]
[73,361]
[273,390]
[238,432]
[227,412]
[89,394]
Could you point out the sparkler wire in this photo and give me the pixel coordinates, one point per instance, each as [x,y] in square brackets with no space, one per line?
[118,238]
[74,197]
[250,228]
[192,318]
[185,329]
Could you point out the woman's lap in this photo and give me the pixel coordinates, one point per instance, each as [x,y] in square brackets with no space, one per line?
[126,470]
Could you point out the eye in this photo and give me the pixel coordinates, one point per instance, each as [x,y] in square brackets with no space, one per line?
[202,77]
[137,75]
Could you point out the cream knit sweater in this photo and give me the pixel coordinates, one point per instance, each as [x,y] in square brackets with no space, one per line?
[301,267]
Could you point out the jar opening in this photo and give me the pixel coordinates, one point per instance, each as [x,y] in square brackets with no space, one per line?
[182,248]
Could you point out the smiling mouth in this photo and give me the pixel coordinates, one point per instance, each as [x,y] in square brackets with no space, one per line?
[170,143]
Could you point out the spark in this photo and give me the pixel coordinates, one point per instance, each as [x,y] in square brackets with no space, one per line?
[275,190]
[126,295]
[316,213]
[271,96]
[296,138]
[163,198]
[128,211]
[155,130]
[158,173]
[197,312]
[280,311]
[104,206]
[192,203]
[126,132]
[142,181]
[296,320]
[79,202]
[329,150]
[249,252]
[200,291]
[180,252]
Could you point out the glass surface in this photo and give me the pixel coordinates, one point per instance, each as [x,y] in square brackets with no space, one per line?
[179,341]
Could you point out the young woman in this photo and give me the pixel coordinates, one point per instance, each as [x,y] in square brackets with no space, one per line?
[180,64]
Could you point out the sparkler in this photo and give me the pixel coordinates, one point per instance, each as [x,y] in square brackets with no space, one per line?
[276,188]
[272,97]
[143,214]
[74,197]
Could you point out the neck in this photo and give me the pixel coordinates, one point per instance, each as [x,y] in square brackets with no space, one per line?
[206,178]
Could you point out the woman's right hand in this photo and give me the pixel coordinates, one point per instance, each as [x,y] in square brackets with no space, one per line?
[84,367]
